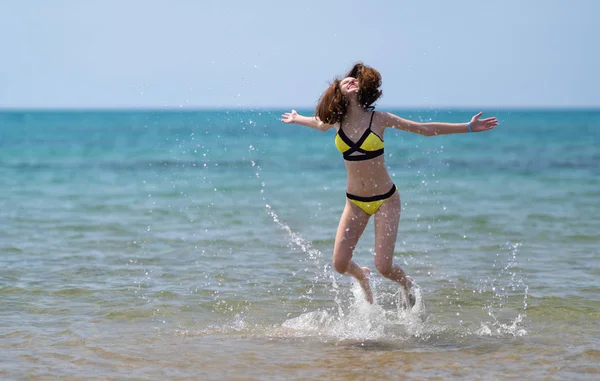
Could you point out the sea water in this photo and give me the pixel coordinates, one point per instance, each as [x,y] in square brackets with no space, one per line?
[197,245]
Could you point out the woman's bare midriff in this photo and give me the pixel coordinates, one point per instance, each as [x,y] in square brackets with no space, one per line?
[368,178]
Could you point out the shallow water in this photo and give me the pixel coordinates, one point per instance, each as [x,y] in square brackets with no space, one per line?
[197,245]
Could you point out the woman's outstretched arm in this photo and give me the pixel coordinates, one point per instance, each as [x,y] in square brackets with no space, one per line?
[308,121]
[438,128]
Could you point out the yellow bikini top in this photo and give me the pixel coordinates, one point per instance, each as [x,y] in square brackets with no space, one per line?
[369,145]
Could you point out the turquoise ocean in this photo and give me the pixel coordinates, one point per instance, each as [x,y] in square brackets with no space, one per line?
[197,245]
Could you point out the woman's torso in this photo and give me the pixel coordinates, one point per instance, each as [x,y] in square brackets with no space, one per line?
[367,177]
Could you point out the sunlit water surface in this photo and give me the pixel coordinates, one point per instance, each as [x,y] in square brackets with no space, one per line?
[197,245]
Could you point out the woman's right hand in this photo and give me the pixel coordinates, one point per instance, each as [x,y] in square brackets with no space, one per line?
[289,117]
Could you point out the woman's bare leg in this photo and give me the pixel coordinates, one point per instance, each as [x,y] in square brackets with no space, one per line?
[386,230]
[352,224]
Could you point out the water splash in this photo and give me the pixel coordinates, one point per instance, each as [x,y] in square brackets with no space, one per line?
[313,255]
[505,283]
[500,329]
[386,318]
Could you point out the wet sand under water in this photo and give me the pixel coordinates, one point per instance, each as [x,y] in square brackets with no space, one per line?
[241,356]
[355,341]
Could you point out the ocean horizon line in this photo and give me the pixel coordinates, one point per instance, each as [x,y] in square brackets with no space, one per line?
[304,108]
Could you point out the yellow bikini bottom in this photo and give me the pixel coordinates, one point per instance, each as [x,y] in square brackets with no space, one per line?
[371,204]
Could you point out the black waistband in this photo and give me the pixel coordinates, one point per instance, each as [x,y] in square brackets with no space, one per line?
[372,198]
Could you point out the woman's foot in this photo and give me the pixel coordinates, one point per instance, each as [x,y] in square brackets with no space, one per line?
[366,285]
[409,291]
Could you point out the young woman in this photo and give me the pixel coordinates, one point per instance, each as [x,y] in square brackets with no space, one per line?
[347,105]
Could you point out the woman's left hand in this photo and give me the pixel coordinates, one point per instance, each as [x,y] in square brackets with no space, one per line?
[478,125]
[289,117]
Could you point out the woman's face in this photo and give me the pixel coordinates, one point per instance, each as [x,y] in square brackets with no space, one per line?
[349,85]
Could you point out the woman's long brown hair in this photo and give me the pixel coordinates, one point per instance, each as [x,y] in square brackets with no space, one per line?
[332,104]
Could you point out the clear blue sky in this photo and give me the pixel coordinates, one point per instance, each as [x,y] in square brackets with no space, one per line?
[235,53]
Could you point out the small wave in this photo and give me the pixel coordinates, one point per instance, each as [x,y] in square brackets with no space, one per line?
[13,290]
[523,166]
[71,292]
[126,165]
[11,249]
